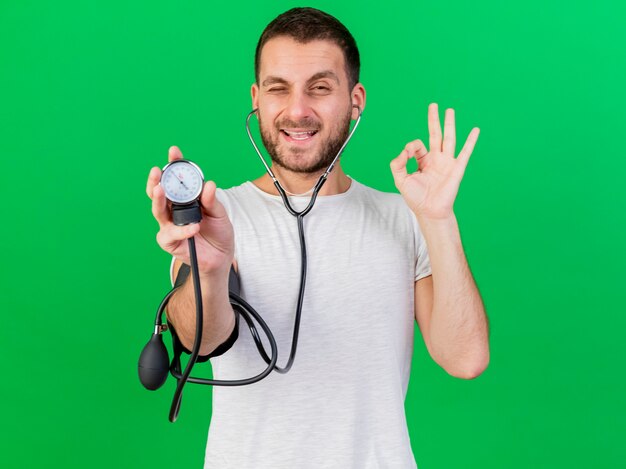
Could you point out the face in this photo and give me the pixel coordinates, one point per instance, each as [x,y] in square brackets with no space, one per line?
[304,103]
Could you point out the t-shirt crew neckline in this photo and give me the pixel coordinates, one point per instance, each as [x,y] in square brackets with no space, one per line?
[347,193]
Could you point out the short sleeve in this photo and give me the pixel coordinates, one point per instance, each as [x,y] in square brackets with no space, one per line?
[422,260]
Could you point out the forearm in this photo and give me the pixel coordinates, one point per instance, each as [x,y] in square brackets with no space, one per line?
[218,315]
[458,328]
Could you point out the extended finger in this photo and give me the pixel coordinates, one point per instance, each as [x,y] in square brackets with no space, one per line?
[153,179]
[174,154]
[160,210]
[468,147]
[434,127]
[449,132]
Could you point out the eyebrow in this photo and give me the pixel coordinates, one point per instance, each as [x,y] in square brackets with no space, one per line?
[272,80]
[325,74]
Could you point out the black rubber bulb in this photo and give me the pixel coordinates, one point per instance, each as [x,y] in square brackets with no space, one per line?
[154,363]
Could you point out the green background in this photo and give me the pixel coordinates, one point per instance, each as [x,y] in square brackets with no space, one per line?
[92,94]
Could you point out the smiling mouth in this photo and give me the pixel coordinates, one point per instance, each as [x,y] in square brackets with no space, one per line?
[299,135]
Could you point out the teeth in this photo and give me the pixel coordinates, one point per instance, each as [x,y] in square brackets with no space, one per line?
[300,135]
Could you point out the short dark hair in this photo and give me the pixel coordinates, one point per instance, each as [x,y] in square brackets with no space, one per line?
[309,24]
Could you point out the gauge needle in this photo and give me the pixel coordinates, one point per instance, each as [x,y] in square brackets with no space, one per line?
[181,181]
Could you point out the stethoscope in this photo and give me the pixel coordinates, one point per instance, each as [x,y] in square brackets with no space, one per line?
[154,362]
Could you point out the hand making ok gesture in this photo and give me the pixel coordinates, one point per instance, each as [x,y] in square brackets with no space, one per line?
[431,190]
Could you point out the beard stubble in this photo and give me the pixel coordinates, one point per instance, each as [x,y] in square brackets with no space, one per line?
[327,152]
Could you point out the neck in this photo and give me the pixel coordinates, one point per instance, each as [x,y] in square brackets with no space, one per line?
[299,183]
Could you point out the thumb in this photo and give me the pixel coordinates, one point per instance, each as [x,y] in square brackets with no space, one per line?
[210,205]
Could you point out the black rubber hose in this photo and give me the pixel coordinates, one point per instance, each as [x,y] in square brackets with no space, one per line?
[178,394]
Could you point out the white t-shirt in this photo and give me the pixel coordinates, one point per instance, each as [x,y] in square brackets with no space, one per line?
[342,403]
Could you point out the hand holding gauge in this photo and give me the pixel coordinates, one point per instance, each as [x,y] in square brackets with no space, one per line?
[193,211]
[181,181]
[180,185]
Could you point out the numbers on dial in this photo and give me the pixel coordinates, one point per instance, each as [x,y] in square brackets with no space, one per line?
[182,182]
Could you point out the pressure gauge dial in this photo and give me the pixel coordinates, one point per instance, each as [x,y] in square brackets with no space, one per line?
[182,181]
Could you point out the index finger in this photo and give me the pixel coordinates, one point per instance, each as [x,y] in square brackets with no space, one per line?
[159,207]
[153,179]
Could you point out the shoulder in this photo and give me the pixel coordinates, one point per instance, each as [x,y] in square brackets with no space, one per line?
[368,191]
[233,193]
[377,199]
[248,202]
[237,197]
[390,208]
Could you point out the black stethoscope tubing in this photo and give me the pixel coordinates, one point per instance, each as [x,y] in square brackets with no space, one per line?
[239,304]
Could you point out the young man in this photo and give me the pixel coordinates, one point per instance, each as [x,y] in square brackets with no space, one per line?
[377,262]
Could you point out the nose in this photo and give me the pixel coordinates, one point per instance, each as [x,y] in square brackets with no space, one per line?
[298,107]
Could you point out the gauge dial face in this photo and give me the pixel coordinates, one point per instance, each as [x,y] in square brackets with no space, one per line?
[182,181]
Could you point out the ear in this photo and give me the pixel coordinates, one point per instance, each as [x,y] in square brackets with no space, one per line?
[254,92]
[358,99]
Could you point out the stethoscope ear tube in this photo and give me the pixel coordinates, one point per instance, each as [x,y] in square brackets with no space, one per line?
[320,181]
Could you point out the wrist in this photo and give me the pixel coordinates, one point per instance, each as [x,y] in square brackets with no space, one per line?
[439,230]
[216,267]
[216,275]
[437,222]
